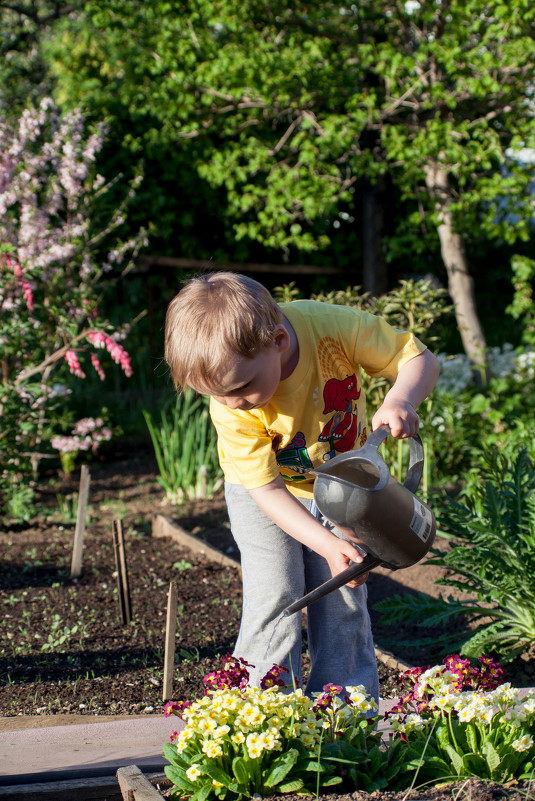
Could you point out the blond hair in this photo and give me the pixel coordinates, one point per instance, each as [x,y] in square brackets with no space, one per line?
[213,316]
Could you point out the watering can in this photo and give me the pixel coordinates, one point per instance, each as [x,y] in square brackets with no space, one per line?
[355,490]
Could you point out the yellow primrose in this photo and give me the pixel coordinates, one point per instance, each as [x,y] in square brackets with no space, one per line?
[193,773]
[522,743]
[212,749]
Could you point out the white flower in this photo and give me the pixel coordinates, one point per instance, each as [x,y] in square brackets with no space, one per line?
[522,743]
[193,773]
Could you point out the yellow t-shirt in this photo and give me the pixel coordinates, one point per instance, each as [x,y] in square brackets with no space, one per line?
[320,409]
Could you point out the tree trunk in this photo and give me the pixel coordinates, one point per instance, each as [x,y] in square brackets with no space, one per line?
[374,271]
[460,282]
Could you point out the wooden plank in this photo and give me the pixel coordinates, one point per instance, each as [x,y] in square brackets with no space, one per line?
[164,527]
[99,788]
[94,789]
[83,495]
[170,638]
[146,262]
[135,787]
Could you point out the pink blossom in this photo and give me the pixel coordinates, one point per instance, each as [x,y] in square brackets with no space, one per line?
[116,351]
[96,364]
[97,338]
[119,356]
[25,285]
[74,365]
[176,708]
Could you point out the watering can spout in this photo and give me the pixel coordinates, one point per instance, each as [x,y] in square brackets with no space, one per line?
[355,491]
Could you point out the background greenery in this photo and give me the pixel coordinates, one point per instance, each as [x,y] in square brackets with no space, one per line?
[386,146]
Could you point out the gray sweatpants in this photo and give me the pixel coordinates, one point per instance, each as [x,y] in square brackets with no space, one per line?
[278,570]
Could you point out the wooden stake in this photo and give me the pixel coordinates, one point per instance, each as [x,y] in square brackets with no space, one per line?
[122,572]
[83,495]
[118,571]
[170,636]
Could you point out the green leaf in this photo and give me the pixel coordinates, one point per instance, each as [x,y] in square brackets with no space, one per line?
[219,775]
[331,781]
[492,757]
[203,793]
[475,765]
[293,786]
[456,759]
[240,771]
[471,737]
[442,733]
[281,767]
[178,777]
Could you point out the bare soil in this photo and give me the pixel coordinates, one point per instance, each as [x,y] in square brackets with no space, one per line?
[65,650]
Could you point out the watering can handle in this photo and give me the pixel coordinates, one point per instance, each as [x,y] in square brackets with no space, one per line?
[416,455]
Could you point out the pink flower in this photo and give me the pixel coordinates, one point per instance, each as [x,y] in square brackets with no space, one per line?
[272,677]
[97,338]
[116,351]
[175,708]
[74,365]
[96,364]
[25,285]
[233,674]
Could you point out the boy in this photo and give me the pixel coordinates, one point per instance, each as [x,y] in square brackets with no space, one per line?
[285,395]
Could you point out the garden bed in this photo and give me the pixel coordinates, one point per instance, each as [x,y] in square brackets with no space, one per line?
[64,649]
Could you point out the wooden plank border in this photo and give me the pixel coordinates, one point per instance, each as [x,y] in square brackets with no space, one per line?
[163,526]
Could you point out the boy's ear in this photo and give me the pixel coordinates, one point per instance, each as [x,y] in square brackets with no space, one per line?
[281,338]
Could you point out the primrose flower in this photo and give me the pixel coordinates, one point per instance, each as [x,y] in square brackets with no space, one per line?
[254,745]
[359,699]
[522,743]
[272,677]
[528,704]
[212,749]
[193,773]
[233,674]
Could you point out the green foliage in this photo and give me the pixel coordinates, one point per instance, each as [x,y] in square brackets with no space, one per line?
[490,558]
[459,419]
[455,725]
[452,721]
[23,74]
[185,445]
[227,89]
[521,307]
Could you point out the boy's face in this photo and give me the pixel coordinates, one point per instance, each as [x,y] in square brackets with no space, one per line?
[251,383]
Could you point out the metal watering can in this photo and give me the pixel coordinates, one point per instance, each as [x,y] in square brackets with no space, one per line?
[355,490]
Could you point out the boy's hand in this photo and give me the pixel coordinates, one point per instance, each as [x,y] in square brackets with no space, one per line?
[340,554]
[279,505]
[415,381]
[399,415]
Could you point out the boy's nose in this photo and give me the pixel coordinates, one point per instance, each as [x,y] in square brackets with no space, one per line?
[235,403]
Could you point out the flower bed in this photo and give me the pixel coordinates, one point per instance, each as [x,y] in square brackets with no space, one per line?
[454,721]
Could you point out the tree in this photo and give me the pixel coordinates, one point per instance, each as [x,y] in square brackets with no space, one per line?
[296,103]
[24,23]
